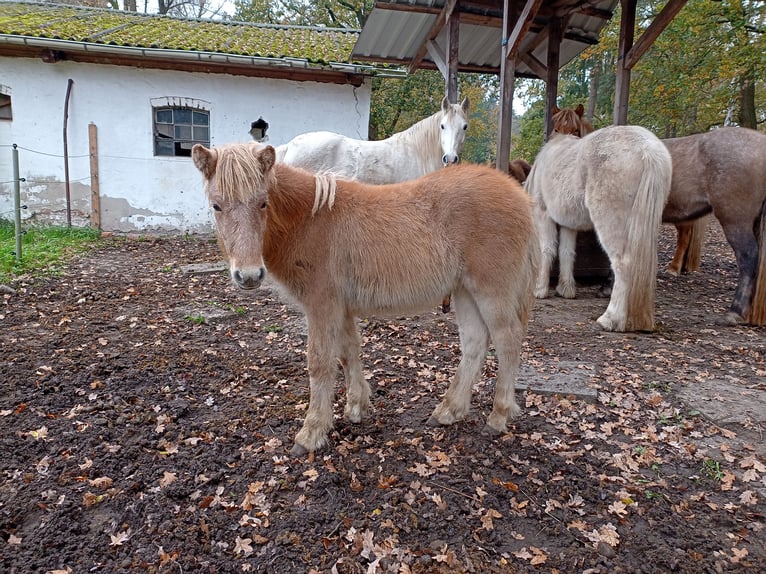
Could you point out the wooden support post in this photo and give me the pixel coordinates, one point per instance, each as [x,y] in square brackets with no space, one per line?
[555,34]
[95,195]
[625,43]
[453,44]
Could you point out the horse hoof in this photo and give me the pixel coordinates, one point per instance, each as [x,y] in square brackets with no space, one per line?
[541,293]
[731,319]
[491,432]
[298,451]
[433,422]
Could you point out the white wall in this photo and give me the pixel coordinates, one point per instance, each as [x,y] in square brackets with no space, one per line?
[140,192]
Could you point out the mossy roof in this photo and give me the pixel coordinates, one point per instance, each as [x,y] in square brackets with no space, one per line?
[316,45]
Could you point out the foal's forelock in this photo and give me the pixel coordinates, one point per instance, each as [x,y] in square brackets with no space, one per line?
[239,173]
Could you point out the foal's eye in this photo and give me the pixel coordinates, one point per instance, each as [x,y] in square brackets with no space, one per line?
[216,207]
[465,127]
[264,204]
[442,126]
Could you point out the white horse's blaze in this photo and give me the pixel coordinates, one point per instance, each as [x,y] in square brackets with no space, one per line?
[423,148]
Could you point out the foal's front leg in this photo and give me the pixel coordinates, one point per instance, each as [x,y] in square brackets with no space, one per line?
[322,358]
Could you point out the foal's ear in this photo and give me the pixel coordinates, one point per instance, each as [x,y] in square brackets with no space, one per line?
[445,104]
[268,157]
[205,159]
[465,104]
[579,110]
[554,110]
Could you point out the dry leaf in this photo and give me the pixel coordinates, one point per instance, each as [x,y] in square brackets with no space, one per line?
[488,517]
[243,546]
[167,479]
[119,538]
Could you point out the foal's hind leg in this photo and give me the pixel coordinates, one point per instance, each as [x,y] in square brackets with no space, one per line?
[507,330]
[474,340]
[357,388]
[567,288]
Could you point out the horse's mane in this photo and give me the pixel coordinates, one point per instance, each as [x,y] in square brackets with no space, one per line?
[238,171]
[570,121]
[425,134]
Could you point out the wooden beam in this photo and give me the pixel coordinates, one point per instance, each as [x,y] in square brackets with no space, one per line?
[441,21]
[534,64]
[523,24]
[659,23]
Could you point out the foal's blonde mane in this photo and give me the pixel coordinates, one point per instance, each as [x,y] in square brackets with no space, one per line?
[324,192]
[239,171]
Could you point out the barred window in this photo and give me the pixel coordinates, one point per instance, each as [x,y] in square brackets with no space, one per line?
[177,129]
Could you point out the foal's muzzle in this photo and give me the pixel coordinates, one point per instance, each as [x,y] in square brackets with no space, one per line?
[248,278]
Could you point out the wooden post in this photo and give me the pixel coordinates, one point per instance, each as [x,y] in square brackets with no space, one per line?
[453,44]
[555,32]
[507,87]
[625,43]
[95,196]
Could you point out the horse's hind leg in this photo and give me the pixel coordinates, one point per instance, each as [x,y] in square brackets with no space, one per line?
[474,340]
[548,233]
[684,231]
[357,388]
[742,239]
[567,288]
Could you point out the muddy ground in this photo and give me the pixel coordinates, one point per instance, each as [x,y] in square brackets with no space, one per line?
[147,413]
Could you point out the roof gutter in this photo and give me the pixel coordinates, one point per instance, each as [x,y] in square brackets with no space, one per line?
[193,56]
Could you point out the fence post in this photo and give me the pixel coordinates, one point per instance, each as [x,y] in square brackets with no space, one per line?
[17,201]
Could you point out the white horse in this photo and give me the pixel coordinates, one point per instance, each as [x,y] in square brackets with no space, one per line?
[423,148]
[616,181]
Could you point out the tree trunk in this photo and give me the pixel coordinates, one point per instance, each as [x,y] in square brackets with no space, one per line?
[595,76]
[747,117]
[130,6]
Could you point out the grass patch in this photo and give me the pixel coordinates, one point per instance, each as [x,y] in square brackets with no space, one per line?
[43,249]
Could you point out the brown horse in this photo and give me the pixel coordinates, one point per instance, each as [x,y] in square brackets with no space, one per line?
[344,249]
[723,171]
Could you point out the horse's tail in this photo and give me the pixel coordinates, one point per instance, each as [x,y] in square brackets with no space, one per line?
[643,230]
[694,251]
[758,308]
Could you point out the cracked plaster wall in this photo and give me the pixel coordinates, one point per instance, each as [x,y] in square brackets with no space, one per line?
[138,191]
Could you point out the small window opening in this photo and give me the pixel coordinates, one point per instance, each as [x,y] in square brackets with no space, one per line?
[5,107]
[258,130]
[177,129]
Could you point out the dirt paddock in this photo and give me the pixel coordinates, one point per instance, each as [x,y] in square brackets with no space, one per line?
[148,410]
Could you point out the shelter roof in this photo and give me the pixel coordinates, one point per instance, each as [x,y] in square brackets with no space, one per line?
[398,31]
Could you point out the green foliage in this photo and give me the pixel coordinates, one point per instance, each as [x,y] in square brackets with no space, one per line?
[42,248]
[332,13]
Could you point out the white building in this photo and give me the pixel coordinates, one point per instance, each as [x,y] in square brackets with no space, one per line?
[144,89]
